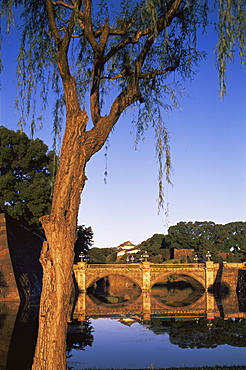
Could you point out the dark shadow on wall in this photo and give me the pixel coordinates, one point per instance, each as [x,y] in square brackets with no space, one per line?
[241,290]
[220,290]
[24,248]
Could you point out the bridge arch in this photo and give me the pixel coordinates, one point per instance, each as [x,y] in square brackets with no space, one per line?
[103,274]
[193,279]
[111,306]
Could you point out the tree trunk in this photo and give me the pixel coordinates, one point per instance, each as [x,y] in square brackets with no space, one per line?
[58,251]
[56,291]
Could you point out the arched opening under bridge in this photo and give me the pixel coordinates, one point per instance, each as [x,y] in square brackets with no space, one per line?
[177,290]
[113,290]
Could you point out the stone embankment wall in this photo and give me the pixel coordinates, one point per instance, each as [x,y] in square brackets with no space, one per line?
[20,269]
[230,275]
[8,287]
[241,289]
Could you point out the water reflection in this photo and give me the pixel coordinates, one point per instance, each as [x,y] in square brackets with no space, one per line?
[202,333]
[176,318]
[178,291]
[79,335]
[162,343]
[195,333]
[177,314]
[8,313]
[18,334]
[113,289]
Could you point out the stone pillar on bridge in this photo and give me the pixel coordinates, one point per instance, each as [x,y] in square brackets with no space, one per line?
[80,275]
[146,290]
[209,274]
[146,276]
[209,281]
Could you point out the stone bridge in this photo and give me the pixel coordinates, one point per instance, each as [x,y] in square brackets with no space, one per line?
[146,274]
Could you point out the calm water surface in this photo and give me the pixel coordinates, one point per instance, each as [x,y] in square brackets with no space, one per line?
[175,325]
[117,326]
[119,346]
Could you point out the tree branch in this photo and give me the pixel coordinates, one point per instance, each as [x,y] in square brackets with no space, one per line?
[62,3]
[104,36]
[164,21]
[88,31]
[97,136]
[52,21]
[128,40]
[71,98]
[147,75]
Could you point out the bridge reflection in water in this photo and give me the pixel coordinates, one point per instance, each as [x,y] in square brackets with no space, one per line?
[140,315]
[143,300]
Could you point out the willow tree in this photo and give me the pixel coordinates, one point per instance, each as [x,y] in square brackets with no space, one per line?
[82,50]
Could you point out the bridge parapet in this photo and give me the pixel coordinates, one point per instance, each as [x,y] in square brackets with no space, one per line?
[112,265]
[177,265]
[133,265]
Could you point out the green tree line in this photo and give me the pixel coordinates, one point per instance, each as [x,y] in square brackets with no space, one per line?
[27,172]
[227,239]
[224,242]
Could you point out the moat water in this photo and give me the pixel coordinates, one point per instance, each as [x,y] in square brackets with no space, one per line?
[118,346]
[175,327]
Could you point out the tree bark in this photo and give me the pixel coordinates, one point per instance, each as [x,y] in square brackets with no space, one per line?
[58,250]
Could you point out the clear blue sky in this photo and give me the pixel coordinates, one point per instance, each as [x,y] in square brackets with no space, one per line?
[208,149]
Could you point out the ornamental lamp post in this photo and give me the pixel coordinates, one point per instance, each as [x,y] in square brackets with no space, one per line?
[209,325]
[81,256]
[132,259]
[196,258]
[145,256]
[208,255]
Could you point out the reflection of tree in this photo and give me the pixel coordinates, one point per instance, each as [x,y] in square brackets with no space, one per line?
[79,335]
[202,333]
[177,292]
[172,297]
[113,289]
